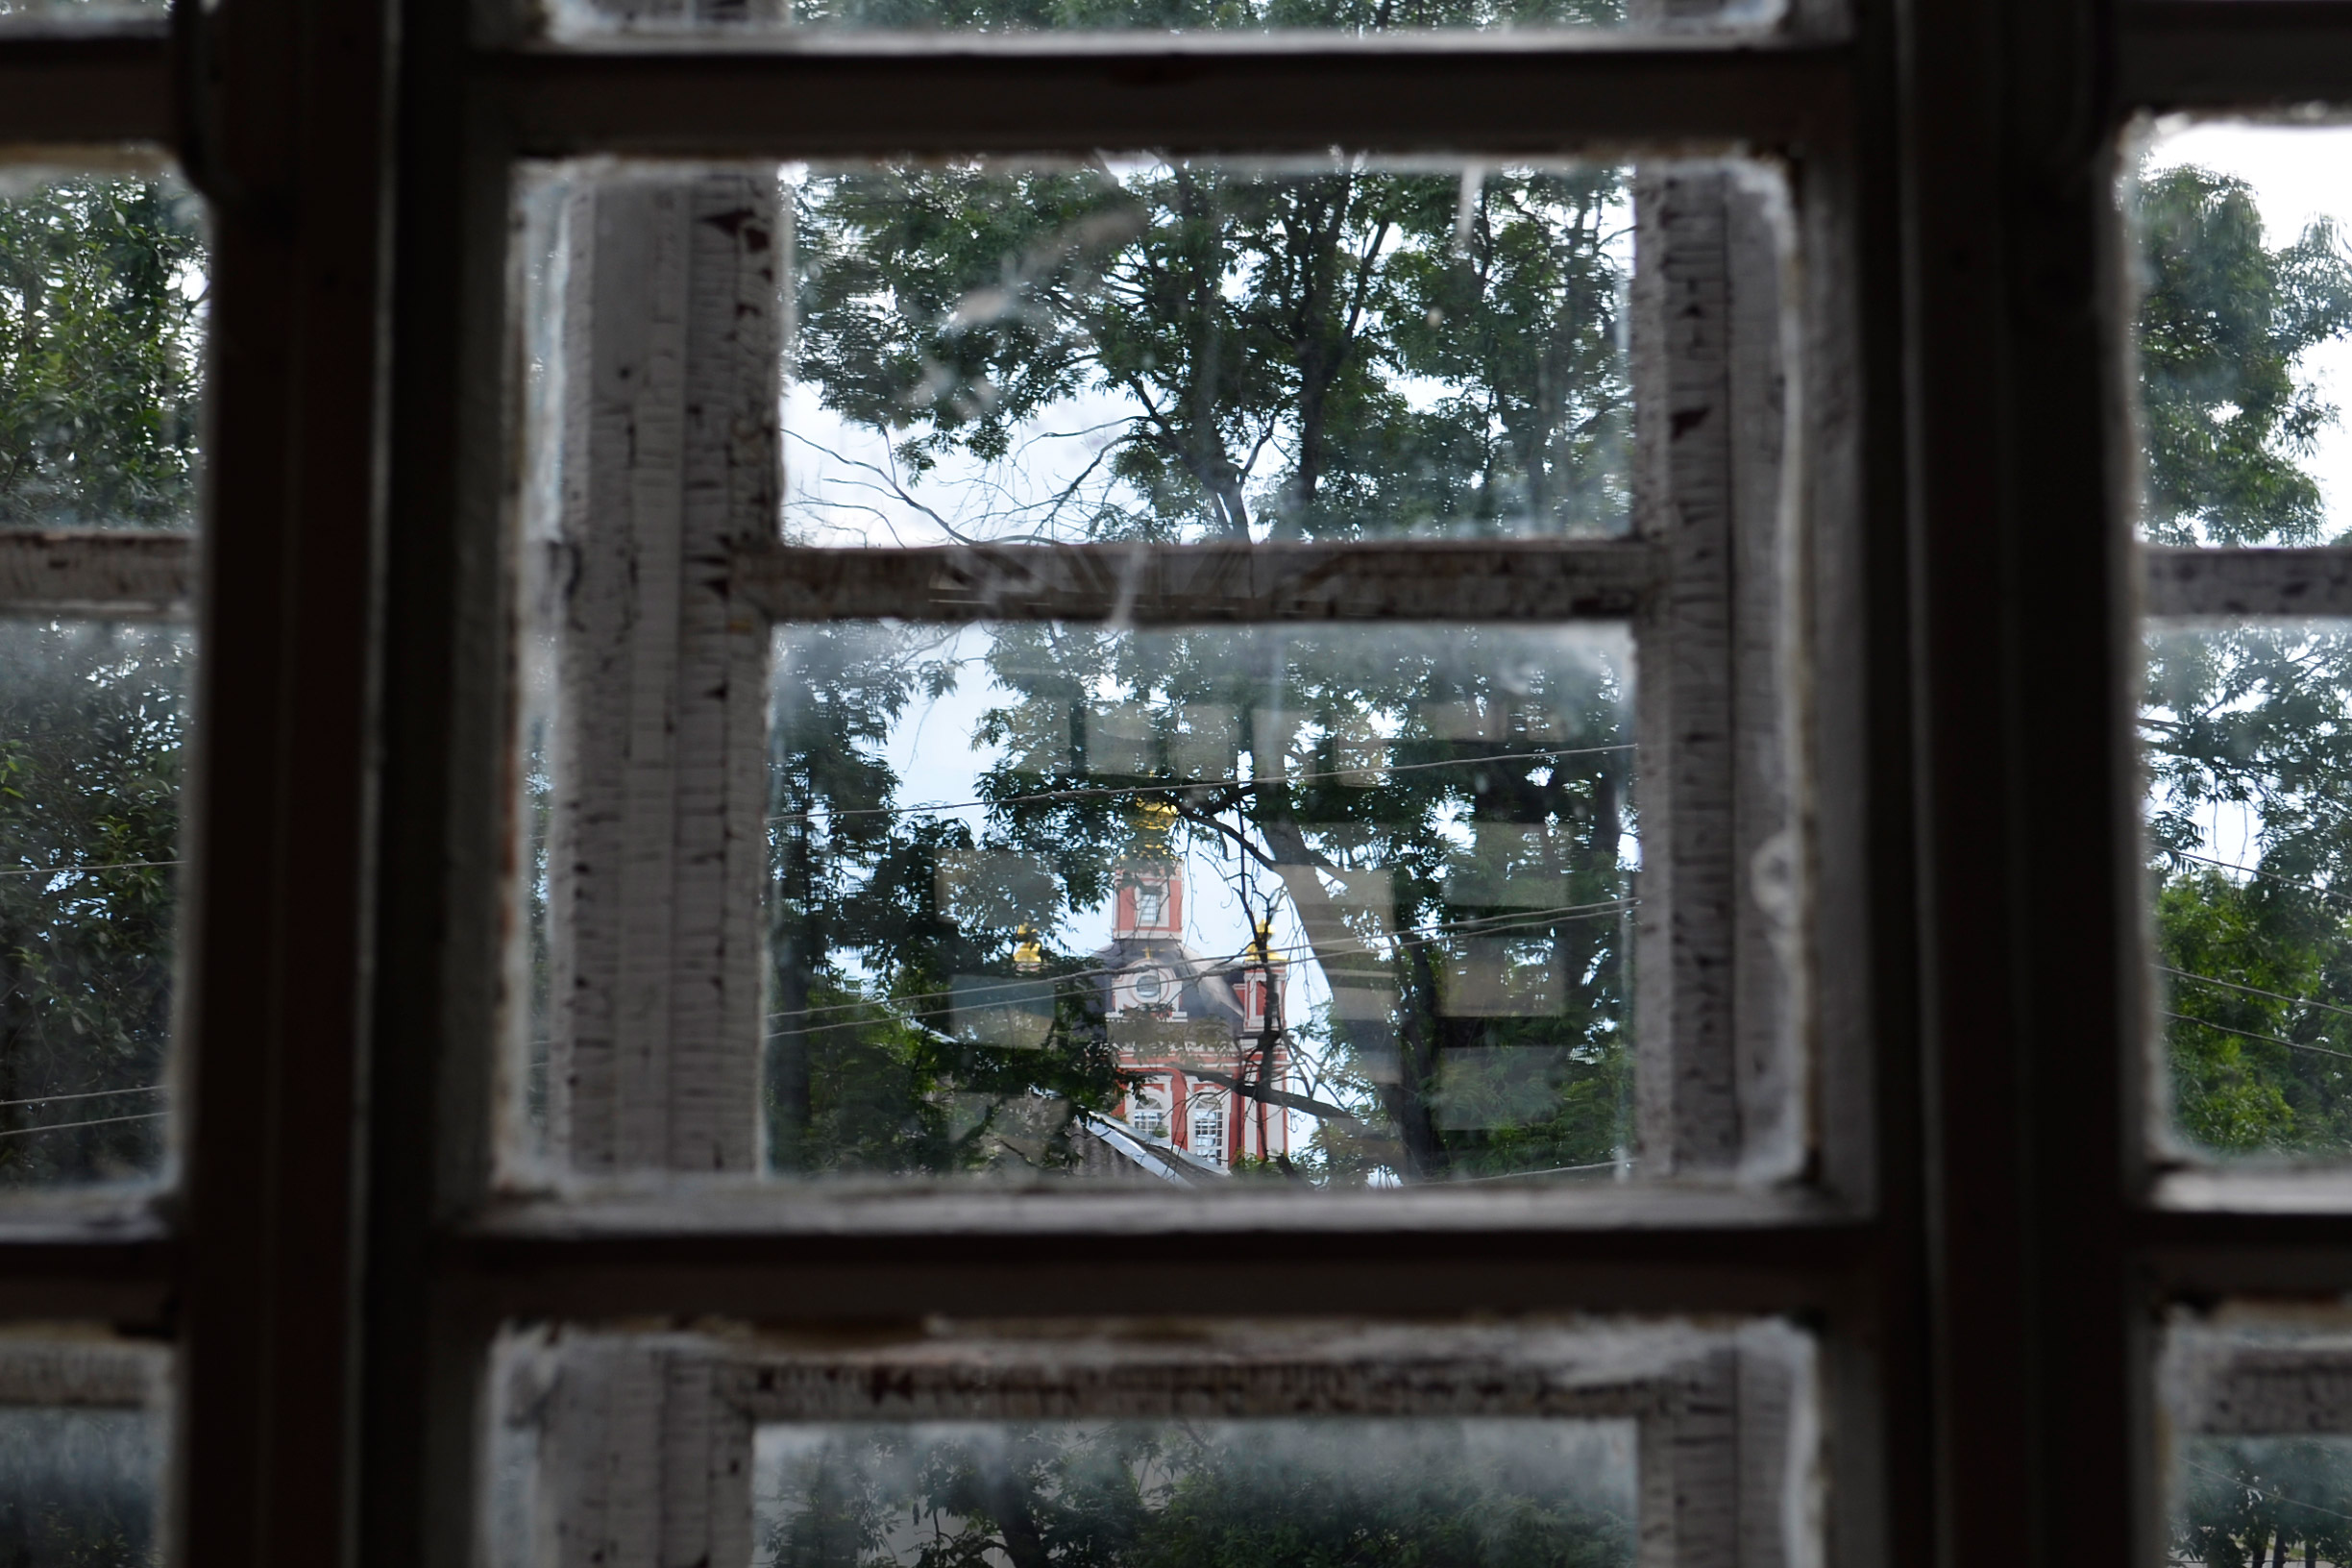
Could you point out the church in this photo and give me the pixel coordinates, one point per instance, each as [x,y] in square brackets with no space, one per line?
[1201,1029]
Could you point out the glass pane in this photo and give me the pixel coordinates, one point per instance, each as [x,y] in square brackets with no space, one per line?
[78,1486]
[2245,333]
[1353,18]
[102,314]
[2250,737]
[1169,1442]
[1150,349]
[2259,1467]
[92,727]
[2236,1499]
[1338,906]
[1472,1492]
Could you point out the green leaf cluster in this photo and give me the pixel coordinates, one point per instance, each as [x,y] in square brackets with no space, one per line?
[101,328]
[91,728]
[1285,352]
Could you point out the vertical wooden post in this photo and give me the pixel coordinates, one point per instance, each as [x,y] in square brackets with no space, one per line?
[1719,860]
[673,353]
[673,349]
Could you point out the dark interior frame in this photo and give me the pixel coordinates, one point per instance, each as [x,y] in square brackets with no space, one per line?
[1986,1323]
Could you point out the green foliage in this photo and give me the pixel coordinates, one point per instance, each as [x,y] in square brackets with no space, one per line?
[1487,910]
[90,736]
[1324,1494]
[1311,354]
[2251,723]
[866,1071]
[101,320]
[1251,352]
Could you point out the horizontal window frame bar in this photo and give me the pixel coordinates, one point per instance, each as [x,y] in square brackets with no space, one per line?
[87,85]
[1213,584]
[2232,54]
[717,102]
[128,1280]
[2195,583]
[817,1278]
[95,572]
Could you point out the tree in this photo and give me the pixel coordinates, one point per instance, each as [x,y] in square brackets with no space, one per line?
[101,323]
[2242,1501]
[1183,1495]
[1303,351]
[100,315]
[2246,723]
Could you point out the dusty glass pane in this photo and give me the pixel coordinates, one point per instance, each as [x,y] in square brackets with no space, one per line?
[2250,1499]
[2248,730]
[102,316]
[78,1486]
[1332,906]
[1144,348]
[1382,1494]
[2245,333]
[1359,18]
[92,725]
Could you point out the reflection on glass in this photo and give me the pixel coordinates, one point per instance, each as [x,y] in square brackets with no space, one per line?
[77,1488]
[2250,1499]
[1182,350]
[101,310]
[2249,738]
[1374,1494]
[1338,906]
[91,729]
[2245,330]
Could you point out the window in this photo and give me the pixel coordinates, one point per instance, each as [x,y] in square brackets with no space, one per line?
[731,543]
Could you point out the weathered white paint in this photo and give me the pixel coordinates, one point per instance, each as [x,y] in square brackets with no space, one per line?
[657,855]
[673,339]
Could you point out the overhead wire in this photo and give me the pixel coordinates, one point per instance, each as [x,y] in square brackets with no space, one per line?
[1090,792]
[2254,991]
[87,1094]
[2259,1491]
[64,870]
[70,1126]
[2248,1033]
[1411,936]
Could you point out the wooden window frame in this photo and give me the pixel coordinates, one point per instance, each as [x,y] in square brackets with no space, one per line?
[1985,1302]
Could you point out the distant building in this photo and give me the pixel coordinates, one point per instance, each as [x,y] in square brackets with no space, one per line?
[1201,1027]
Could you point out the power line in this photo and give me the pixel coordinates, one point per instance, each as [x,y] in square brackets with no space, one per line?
[2258,1491]
[1411,936]
[2248,1033]
[2256,991]
[91,1095]
[67,870]
[1107,791]
[2335,894]
[1475,925]
[1521,1175]
[70,1126]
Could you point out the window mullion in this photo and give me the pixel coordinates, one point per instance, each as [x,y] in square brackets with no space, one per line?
[657,846]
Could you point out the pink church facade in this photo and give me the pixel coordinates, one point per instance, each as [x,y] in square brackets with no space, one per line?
[1201,1030]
